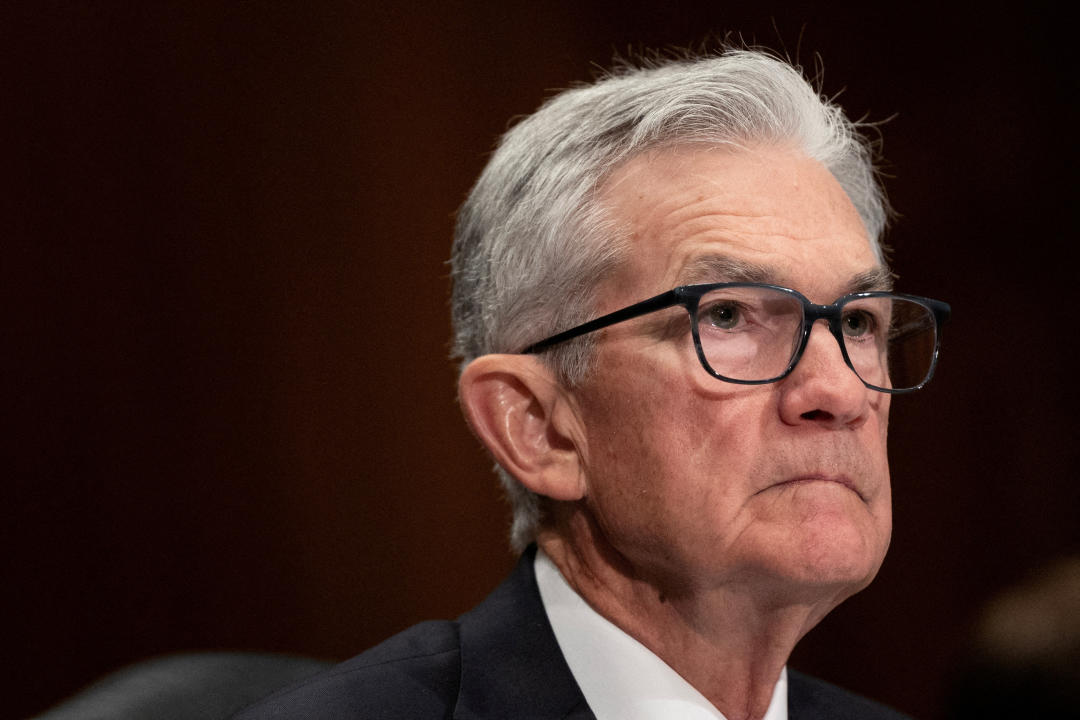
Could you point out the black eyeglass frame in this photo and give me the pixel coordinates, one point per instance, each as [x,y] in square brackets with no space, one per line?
[688,296]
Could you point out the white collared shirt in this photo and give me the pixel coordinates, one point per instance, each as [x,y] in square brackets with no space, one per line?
[620,678]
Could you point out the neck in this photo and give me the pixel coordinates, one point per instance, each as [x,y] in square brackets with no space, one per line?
[730,642]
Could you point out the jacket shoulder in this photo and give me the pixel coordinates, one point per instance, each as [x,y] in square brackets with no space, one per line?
[414,674]
[810,699]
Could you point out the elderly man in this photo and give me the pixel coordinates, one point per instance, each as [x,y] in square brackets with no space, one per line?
[697,465]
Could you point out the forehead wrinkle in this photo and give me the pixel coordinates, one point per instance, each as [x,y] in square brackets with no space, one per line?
[751,223]
[690,225]
[675,215]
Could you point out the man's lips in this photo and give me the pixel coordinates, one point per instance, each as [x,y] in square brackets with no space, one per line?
[842,480]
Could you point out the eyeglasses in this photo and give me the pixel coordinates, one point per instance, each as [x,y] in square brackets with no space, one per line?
[754,333]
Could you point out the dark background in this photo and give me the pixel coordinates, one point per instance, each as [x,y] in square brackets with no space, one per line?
[230,420]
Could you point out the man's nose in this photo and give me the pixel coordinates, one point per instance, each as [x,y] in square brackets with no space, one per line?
[823,388]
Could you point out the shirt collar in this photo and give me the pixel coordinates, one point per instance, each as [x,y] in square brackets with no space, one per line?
[619,677]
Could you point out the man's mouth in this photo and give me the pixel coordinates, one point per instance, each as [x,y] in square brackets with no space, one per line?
[842,480]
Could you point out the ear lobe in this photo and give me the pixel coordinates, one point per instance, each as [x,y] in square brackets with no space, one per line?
[518,410]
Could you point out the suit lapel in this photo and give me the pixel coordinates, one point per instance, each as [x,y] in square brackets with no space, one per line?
[511,665]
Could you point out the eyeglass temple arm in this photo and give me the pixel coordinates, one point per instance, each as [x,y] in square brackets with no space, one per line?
[661,301]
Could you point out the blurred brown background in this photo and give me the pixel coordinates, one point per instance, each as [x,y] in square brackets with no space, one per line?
[229,417]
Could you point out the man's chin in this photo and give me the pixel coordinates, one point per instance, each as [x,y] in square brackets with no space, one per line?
[826,533]
[826,559]
[843,570]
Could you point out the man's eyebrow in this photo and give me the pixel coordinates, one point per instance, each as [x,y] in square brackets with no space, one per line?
[879,278]
[722,268]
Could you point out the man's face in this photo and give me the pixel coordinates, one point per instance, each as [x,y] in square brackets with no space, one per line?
[696,482]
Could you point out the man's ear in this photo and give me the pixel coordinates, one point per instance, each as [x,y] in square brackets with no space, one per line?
[525,418]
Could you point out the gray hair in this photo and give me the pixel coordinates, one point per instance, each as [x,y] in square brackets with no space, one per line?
[531,243]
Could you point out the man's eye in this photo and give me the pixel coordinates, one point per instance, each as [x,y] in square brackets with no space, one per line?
[858,323]
[725,316]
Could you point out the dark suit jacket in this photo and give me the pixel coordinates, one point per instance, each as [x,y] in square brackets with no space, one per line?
[499,660]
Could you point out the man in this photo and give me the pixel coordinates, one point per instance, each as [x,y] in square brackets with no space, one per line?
[697,465]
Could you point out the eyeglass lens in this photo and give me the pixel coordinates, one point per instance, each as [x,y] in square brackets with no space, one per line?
[752,334]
